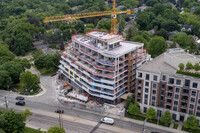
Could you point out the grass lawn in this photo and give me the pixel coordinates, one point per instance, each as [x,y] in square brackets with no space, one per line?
[135,117]
[154,121]
[19,89]
[193,131]
[175,126]
[30,130]
[45,72]
[161,124]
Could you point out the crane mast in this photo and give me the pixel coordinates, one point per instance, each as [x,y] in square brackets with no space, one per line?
[113,14]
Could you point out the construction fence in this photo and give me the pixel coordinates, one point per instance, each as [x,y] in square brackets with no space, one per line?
[82,105]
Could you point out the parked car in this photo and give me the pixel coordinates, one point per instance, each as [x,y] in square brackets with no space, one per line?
[21,103]
[53,74]
[108,120]
[59,111]
[19,98]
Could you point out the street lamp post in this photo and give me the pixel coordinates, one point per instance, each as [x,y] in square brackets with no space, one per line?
[6,102]
[143,129]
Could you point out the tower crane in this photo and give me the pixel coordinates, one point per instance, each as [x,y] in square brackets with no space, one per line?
[113,14]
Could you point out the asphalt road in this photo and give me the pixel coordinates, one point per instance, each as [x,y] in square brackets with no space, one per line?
[89,115]
[48,102]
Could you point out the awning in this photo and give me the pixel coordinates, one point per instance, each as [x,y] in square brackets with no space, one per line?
[124,96]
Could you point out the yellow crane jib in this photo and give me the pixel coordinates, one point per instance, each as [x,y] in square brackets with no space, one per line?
[113,14]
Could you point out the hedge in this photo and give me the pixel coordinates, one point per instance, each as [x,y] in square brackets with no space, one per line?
[188,73]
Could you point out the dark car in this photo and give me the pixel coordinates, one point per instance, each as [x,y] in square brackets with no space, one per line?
[20,98]
[59,111]
[53,74]
[21,103]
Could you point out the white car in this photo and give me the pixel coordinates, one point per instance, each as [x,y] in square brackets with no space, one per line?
[108,120]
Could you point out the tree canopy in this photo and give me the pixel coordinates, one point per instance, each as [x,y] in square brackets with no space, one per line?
[191,122]
[166,118]
[157,46]
[30,82]
[56,129]
[151,113]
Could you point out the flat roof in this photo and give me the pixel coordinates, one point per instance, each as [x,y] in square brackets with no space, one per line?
[124,47]
[103,35]
[158,65]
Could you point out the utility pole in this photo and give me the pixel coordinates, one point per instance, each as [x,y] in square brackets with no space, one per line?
[143,129]
[59,119]
[6,102]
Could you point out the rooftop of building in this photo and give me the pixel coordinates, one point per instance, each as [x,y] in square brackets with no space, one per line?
[168,62]
[103,35]
[123,48]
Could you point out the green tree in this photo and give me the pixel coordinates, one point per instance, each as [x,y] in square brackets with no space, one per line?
[130,33]
[11,121]
[5,80]
[14,70]
[5,54]
[79,26]
[163,33]
[196,67]
[170,25]
[144,20]
[157,46]
[166,118]
[141,39]
[56,130]
[182,39]
[158,8]
[134,108]
[196,28]
[187,18]
[1,131]
[151,113]
[30,82]
[104,25]
[191,122]
[181,66]
[25,114]
[37,53]
[189,65]
[24,62]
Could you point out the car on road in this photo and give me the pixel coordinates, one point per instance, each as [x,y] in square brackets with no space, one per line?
[59,111]
[21,103]
[19,98]
[108,120]
[53,74]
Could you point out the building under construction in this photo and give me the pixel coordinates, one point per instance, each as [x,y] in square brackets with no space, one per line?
[102,65]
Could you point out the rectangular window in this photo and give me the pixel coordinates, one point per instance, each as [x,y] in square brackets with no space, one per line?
[199,101]
[163,86]
[175,102]
[177,90]
[146,83]
[140,75]
[162,91]
[145,101]
[193,93]
[161,97]
[146,96]
[153,104]
[198,107]
[155,77]
[175,108]
[145,109]
[147,76]
[190,112]
[187,83]
[153,98]
[171,81]
[191,106]
[154,91]
[176,96]
[194,85]
[146,90]
[178,82]
[164,77]
[198,114]
[174,116]
[192,100]
[154,85]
